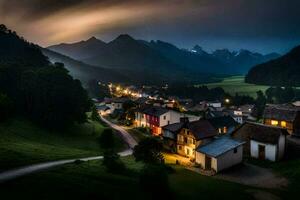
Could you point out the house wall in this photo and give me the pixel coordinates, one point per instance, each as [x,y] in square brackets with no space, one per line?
[166,119]
[140,120]
[281,146]
[229,159]
[186,142]
[270,150]
[222,162]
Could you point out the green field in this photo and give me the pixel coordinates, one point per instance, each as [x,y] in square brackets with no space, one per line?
[23,143]
[236,84]
[91,181]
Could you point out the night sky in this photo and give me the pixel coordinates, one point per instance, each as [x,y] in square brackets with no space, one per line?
[260,25]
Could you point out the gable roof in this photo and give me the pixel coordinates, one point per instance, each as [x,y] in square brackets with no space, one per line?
[174,128]
[281,112]
[223,121]
[201,129]
[153,111]
[260,132]
[219,146]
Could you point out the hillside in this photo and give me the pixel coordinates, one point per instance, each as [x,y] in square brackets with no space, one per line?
[284,71]
[23,143]
[85,72]
[43,92]
[17,51]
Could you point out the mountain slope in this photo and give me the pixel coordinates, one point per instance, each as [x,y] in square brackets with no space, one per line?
[195,62]
[80,50]
[127,53]
[282,71]
[85,72]
[14,50]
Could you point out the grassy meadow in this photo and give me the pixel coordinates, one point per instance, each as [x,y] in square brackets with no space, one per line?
[236,84]
[90,180]
[23,143]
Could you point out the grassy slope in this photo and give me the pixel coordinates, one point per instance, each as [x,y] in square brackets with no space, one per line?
[137,134]
[91,181]
[236,84]
[23,143]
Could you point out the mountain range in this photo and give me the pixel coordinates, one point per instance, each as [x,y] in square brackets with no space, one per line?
[125,52]
[283,71]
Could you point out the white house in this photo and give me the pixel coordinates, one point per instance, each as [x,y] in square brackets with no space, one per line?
[156,117]
[262,141]
[219,154]
[270,146]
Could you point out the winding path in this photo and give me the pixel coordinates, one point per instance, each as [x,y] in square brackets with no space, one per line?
[22,171]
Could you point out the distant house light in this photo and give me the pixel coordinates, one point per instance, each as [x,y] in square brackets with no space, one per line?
[283,124]
[274,122]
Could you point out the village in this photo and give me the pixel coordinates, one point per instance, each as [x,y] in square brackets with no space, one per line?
[209,136]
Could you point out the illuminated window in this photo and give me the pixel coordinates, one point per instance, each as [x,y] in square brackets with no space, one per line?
[224,129]
[274,122]
[283,124]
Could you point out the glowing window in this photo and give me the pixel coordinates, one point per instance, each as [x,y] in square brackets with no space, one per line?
[283,124]
[274,122]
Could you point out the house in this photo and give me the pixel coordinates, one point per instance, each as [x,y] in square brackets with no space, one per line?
[192,135]
[156,117]
[116,103]
[103,109]
[284,116]
[219,154]
[224,124]
[170,132]
[214,104]
[262,141]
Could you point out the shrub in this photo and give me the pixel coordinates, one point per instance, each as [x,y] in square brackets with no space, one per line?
[149,150]
[107,140]
[113,163]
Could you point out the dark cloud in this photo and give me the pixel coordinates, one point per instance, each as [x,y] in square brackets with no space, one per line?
[256,24]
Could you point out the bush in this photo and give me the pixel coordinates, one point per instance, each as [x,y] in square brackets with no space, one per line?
[95,115]
[113,163]
[107,140]
[149,150]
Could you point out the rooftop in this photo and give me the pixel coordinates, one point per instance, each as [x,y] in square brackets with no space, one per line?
[284,112]
[153,110]
[201,129]
[219,122]
[260,132]
[219,146]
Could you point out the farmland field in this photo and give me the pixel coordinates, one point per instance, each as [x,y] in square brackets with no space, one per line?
[236,84]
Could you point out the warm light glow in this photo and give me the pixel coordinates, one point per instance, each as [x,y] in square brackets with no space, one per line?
[227,100]
[274,122]
[283,124]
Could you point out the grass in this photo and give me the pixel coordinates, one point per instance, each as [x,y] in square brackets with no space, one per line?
[138,133]
[89,180]
[23,143]
[236,84]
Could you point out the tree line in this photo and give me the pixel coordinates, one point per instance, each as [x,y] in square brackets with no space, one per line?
[35,88]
